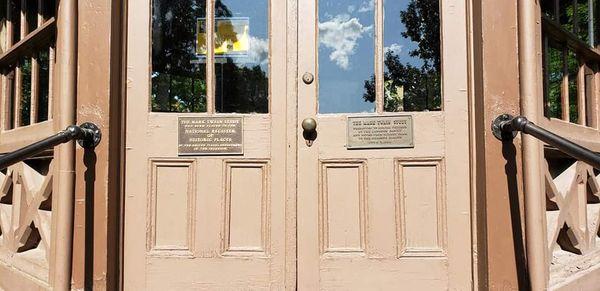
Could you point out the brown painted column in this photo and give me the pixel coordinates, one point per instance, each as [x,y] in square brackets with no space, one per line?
[500,258]
[98,190]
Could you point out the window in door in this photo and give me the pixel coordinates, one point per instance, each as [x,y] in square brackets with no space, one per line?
[229,74]
[366,68]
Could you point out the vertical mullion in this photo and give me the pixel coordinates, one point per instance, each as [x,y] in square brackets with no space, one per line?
[575,17]
[594,97]
[210,68]
[33,104]
[51,61]
[9,81]
[546,76]
[35,72]
[581,116]
[591,31]
[18,93]
[379,52]
[564,96]
[18,70]
[556,10]
[9,77]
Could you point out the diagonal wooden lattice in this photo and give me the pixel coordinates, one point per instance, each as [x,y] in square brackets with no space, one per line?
[573,215]
[25,217]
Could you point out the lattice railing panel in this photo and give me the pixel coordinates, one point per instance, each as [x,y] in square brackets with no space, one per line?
[25,215]
[573,216]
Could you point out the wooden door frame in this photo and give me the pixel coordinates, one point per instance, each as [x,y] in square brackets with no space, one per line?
[488,212]
[101,53]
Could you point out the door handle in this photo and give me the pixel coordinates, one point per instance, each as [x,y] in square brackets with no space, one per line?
[309,126]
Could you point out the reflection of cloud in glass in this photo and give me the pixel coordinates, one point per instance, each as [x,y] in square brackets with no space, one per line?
[367,6]
[341,34]
[259,51]
[393,48]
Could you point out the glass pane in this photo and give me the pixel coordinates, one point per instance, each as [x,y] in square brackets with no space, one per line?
[31,14]
[583,20]
[242,56]
[573,69]
[49,8]
[3,26]
[15,17]
[412,77]
[25,91]
[43,85]
[554,77]
[346,56]
[178,73]
[589,93]
[548,8]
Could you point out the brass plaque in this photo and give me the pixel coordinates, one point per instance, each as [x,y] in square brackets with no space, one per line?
[374,132]
[201,136]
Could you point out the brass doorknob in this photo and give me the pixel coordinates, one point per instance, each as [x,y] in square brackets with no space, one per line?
[309,124]
[310,130]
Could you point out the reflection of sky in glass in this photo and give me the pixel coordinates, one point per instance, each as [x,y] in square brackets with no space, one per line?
[346,50]
[346,54]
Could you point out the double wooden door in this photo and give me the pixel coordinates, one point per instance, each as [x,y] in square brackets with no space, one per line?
[291,208]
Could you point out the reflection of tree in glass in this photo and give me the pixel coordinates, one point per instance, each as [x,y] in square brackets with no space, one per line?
[178,77]
[408,87]
[242,84]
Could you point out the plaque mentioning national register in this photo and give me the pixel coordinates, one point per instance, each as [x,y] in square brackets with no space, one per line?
[211,136]
[377,132]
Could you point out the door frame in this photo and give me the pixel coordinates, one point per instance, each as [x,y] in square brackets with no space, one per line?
[292,74]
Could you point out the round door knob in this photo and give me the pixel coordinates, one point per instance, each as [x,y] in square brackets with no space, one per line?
[309,124]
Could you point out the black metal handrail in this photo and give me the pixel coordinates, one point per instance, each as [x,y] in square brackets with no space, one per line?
[88,135]
[505,127]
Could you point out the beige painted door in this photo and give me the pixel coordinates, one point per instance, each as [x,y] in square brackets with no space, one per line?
[205,222]
[384,218]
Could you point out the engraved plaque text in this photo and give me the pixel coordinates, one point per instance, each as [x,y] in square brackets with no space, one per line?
[199,136]
[372,132]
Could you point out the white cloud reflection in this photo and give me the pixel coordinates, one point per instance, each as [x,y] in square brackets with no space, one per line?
[393,48]
[367,6]
[259,51]
[341,35]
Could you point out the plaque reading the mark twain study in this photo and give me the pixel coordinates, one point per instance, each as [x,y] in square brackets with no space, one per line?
[200,136]
[373,132]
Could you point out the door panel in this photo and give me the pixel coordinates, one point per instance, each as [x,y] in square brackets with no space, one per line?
[369,219]
[204,222]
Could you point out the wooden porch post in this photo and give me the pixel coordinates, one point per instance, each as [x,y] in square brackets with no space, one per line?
[66,45]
